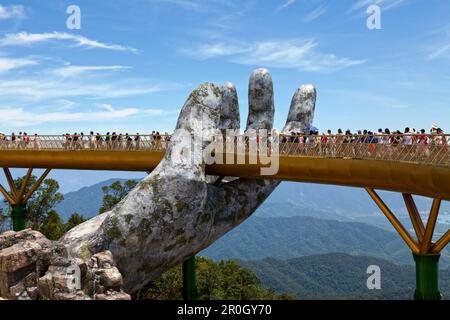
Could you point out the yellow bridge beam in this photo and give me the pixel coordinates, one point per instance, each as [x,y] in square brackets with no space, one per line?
[431,224]
[35,186]
[10,181]
[416,220]
[411,178]
[441,243]
[7,196]
[24,185]
[394,221]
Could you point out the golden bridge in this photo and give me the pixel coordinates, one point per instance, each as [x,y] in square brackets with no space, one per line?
[410,169]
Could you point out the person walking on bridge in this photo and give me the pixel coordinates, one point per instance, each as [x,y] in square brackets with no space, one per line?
[92,141]
[99,140]
[128,141]
[36,142]
[137,141]
[108,141]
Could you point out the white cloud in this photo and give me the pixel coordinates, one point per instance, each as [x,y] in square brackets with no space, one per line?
[7,64]
[288,3]
[212,50]
[25,38]
[18,117]
[204,5]
[40,89]
[64,104]
[295,54]
[105,106]
[186,4]
[12,12]
[440,47]
[75,71]
[384,4]
[369,99]
[313,15]
[67,85]
[439,52]
[153,112]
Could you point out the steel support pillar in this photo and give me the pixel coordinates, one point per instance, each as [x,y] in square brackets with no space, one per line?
[426,253]
[189,279]
[18,216]
[19,196]
[427,277]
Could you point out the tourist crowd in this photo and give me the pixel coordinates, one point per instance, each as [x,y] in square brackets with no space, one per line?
[81,141]
[436,136]
[309,136]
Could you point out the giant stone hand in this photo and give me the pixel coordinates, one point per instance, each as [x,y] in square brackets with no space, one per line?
[176,211]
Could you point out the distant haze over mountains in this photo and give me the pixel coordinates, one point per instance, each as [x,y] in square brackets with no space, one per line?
[315,241]
[297,220]
[292,237]
[291,199]
[339,276]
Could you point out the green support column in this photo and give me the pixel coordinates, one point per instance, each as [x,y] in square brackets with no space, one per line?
[189,280]
[427,277]
[18,214]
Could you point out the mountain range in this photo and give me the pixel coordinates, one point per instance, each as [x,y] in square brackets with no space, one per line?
[299,220]
[292,237]
[339,276]
[312,240]
[293,199]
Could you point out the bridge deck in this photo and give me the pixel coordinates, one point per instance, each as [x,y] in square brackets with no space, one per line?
[416,169]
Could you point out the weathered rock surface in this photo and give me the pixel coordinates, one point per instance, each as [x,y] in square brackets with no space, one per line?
[176,212]
[301,113]
[33,267]
[21,255]
[171,215]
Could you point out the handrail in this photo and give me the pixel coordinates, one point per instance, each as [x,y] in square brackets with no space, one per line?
[431,149]
[86,142]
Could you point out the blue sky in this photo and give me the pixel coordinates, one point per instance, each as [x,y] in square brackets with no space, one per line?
[133,63]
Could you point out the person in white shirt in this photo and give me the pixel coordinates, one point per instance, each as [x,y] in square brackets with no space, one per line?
[92,140]
[36,142]
[407,137]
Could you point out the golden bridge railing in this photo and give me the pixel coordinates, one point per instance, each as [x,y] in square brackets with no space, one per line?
[427,149]
[434,152]
[79,143]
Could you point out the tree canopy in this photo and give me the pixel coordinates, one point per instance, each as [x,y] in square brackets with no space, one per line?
[4,221]
[42,202]
[223,280]
[41,215]
[114,193]
[215,280]
[74,220]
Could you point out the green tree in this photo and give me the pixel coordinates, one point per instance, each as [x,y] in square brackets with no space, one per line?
[40,207]
[43,200]
[114,193]
[166,287]
[224,280]
[52,227]
[74,220]
[4,221]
